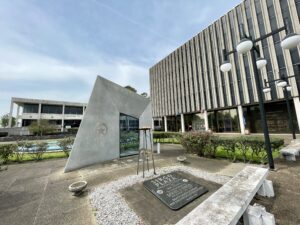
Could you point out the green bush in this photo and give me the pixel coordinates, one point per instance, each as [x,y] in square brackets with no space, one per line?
[210,150]
[20,150]
[7,150]
[66,145]
[242,148]
[41,127]
[195,142]
[39,150]
[166,137]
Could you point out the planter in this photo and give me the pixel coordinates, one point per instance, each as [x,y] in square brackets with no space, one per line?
[77,187]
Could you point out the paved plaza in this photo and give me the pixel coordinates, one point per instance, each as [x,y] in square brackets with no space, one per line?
[37,193]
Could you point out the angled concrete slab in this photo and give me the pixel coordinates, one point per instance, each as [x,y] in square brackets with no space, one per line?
[97,139]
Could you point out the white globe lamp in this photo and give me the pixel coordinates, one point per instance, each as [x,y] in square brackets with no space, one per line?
[281,83]
[290,41]
[289,88]
[261,63]
[226,67]
[244,46]
[266,90]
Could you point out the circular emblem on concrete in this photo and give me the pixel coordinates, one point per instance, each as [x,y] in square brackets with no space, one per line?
[185,180]
[101,128]
[159,192]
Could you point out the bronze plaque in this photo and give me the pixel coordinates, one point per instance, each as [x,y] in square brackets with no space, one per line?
[174,190]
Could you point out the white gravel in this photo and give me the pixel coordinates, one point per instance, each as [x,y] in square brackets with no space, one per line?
[112,209]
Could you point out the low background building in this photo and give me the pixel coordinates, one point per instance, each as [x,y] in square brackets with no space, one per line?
[60,113]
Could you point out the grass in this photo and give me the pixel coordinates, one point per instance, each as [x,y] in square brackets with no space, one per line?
[166,140]
[221,153]
[46,155]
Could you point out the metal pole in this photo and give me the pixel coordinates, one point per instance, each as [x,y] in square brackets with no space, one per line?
[291,124]
[262,112]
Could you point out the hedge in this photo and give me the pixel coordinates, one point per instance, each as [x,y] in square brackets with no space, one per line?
[7,150]
[166,137]
[247,148]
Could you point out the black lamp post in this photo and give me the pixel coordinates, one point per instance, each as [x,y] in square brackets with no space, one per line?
[283,82]
[247,44]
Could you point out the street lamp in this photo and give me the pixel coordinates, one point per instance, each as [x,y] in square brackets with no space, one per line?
[248,44]
[283,83]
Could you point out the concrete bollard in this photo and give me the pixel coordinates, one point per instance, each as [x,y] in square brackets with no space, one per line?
[257,215]
[158,148]
[266,189]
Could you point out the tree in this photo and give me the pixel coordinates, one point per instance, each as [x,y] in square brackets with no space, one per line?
[130,88]
[5,120]
[41,127]
[144,94]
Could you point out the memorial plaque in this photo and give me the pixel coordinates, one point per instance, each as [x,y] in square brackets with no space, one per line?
[174,190]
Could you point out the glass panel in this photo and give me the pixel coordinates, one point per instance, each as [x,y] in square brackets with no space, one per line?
[31,108]
[129,135]
[277,119]
[52,109]
[224,121]
[77,110]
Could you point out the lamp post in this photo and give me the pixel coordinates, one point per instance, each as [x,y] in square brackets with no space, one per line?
[247,44]
[283,82]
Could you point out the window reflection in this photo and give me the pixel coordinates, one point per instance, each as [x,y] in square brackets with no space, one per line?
[224,121]
[129,135]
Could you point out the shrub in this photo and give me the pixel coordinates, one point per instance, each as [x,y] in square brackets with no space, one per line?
[211,148]
[7,150]
[41,127]
[66,145]
[161,136]
[195,142]
[20,150]
[243,144]
[229,146]
[258,150]
[244,148]
[39,150]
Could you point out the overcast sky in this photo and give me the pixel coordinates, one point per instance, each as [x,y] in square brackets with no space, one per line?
[54,49]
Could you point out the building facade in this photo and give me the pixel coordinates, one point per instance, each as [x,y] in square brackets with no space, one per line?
[59,113]
[189,91]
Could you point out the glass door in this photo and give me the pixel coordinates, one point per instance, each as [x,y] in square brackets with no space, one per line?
[129,135]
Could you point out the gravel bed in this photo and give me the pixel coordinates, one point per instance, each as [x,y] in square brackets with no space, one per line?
[112,209]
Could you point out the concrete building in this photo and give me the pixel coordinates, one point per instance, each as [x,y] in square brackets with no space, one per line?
[189,91]
[110,126]
[60,113]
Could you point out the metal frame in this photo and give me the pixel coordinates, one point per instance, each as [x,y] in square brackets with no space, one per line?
[286,97]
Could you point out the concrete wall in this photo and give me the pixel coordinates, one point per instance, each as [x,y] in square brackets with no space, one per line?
[16,131]
[97,139]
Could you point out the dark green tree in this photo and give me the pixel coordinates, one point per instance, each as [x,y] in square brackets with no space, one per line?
[130,88]
[41,127]
[144,94]
[5,120]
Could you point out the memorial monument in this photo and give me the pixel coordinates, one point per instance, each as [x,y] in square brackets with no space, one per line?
[109,128]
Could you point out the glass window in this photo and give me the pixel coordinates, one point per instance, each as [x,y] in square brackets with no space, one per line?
[77,110]
[31,108]
[129,135]
[224,121]
[297,2]
[276,118]
[52,109]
